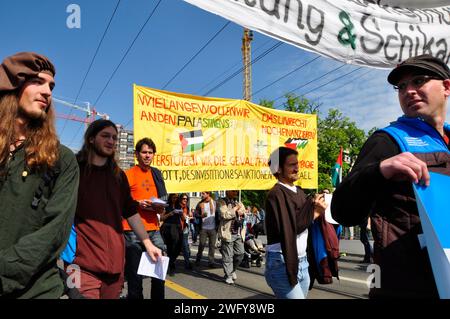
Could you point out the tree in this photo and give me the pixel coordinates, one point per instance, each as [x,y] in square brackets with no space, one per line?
[267,103]
[334,131]
[254,198]
[299,104]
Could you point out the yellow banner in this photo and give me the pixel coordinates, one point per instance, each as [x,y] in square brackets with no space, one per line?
[207,143]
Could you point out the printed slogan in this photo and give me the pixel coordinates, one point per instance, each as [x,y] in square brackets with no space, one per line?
[219,144]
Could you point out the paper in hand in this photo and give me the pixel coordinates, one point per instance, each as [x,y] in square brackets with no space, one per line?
[158,202]
[328,217]
[149,268]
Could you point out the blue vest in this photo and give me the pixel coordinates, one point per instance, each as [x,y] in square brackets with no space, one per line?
[417,136]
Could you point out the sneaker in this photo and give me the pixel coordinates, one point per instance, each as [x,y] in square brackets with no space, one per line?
[229,281]
[233,275]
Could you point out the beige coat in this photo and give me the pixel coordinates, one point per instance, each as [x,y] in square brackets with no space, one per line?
[227,215]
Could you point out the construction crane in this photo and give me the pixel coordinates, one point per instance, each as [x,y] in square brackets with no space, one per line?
[91,113]
[247,58]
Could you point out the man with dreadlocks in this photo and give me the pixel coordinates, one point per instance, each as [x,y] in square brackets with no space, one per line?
[38,180]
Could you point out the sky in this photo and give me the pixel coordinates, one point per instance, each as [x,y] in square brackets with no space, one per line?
[171,37]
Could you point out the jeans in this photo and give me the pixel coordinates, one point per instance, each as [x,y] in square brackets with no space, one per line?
[277,279]
[185,247]
[133,252]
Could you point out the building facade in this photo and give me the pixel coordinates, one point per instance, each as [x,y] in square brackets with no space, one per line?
[125,148]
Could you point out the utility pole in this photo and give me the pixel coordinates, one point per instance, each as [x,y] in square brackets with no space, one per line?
[247,58]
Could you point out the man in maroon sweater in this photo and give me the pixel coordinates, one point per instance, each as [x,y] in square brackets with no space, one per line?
[103,200]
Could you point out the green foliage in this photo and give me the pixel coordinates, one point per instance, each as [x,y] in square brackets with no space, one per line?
[253,198]
[266,103]
[334,131]
[299,104]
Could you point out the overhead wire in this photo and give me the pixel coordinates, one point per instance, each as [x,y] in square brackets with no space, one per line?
[92,62]
[332,80]
[286,75]
[196,54]
[345,84]
[230,68]
[262,55]
[309,82]
[128,50]
[123,58]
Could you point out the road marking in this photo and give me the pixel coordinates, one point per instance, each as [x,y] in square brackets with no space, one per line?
[364,282]
[184,291]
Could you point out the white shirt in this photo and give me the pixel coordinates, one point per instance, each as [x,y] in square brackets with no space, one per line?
[292,188]
[209,222]
[302,242]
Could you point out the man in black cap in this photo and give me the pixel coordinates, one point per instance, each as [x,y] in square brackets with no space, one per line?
[380,185]
[38,180]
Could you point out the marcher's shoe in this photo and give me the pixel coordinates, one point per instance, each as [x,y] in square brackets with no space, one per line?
[171,270]
[233,275]
[229,281]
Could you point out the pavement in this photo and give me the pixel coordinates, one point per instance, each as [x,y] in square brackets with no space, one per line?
[352,247]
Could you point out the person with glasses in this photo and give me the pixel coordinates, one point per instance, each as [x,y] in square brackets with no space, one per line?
[380,183]
[104,200]
[145,182]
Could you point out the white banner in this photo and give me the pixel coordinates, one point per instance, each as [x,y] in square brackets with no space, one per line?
[363,32]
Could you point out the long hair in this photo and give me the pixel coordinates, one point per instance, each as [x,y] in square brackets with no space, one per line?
[41,144]
[86,153]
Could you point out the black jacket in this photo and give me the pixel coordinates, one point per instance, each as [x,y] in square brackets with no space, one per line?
[405,267]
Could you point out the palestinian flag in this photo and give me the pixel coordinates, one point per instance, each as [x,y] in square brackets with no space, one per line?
[192,141]
[295,144]
[336,174]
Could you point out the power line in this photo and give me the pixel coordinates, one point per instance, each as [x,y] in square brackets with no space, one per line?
[279,79]
[121,61]
[332,80]
[196,54]
[279,43]
[313,80]
[240,70]
[126,53]
[229,69]
[345,84]
[128,123]
[92,62]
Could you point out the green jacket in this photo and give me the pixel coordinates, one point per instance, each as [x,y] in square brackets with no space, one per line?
[32,239]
